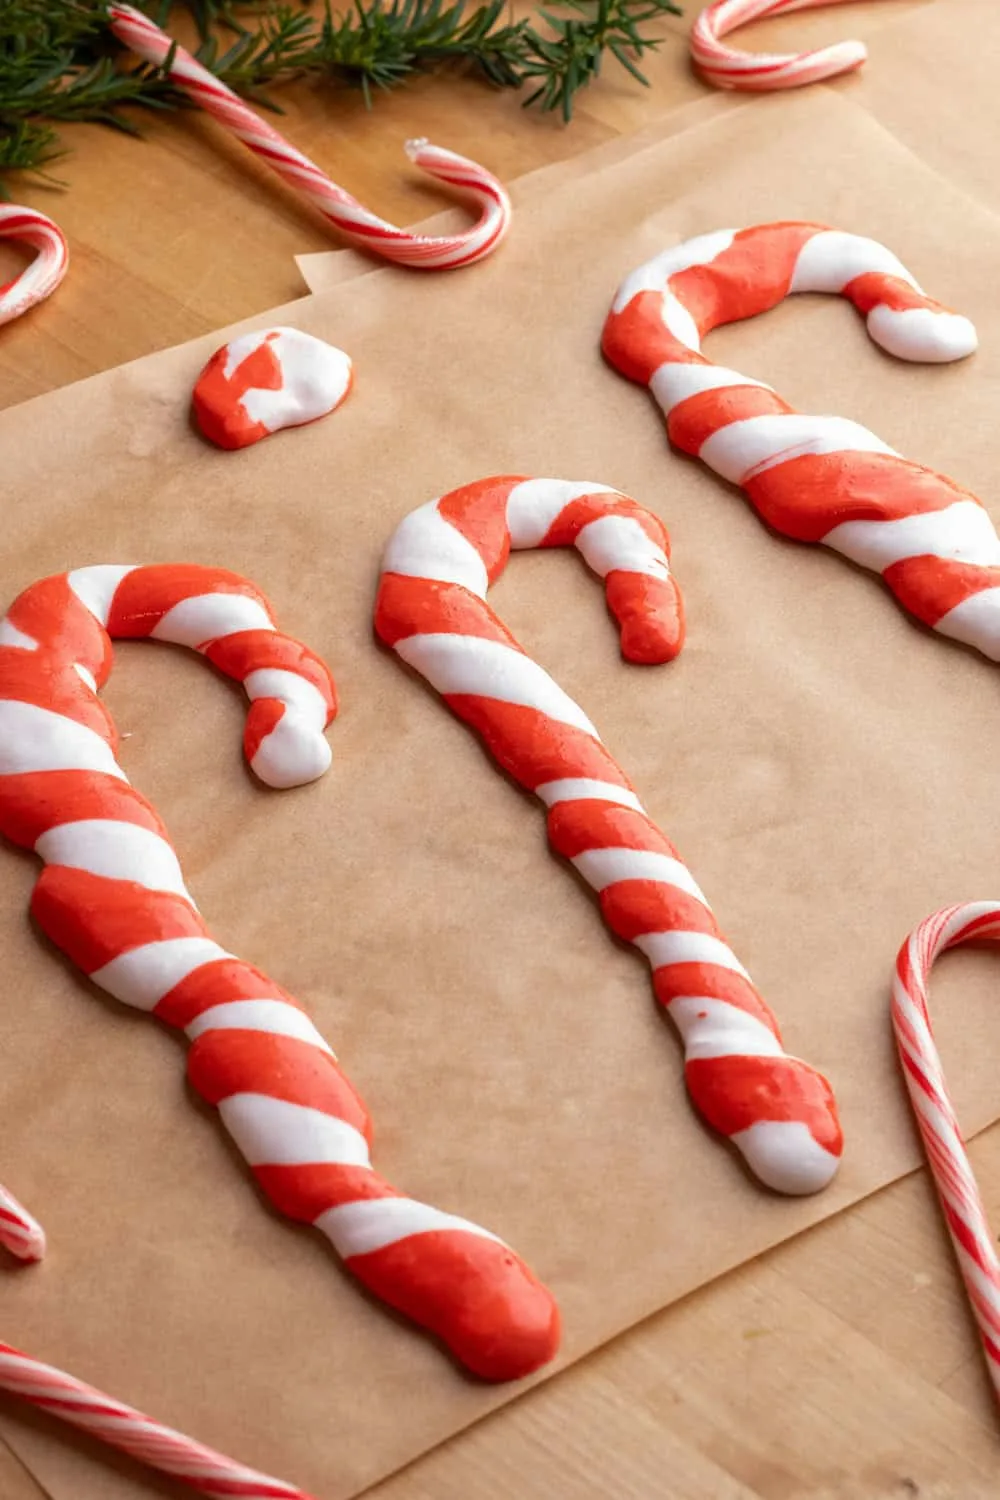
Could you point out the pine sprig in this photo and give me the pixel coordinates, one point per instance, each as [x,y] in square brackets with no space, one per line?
[60,63]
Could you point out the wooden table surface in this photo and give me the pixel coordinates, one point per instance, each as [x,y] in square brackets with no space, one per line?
[842,1366]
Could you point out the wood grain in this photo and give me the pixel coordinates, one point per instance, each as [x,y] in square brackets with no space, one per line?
[842,1366]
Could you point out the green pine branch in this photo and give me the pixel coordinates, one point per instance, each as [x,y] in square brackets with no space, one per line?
[59,62]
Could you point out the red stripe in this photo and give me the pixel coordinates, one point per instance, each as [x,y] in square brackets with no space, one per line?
[751,276]
[532,747]
[217,983]
[33,803]
[930,586]
[637,341]
[51,614]
[145,595]
[305,1192]
[733,1093]
[247,651]
[93,919]
[218,398]
[634,907]
[228,1061]
[265,715]
[876,289]
[419,606]
[693,421]
[473,1293]
[479,512]
[575,827]
[650,614]
[48,682]
[579,513]
[715,983]
[807,497]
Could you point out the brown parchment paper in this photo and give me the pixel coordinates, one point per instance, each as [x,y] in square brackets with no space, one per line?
[823,764]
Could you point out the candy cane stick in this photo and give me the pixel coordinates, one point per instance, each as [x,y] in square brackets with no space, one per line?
[964,1214]
[122,1427]
[431,610]
[427,252]
[20,1232]
[765,71]
[113,898]
[815,479]
[47,269]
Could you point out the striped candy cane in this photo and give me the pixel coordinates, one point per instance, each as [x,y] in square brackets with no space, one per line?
[815,479]
[110,1421]
[425,252]
[763,72]
[20,1232]
[431,610]
[965,1216]
[113,898]
[46,270]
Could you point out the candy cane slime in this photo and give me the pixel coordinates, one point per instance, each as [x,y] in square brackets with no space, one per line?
[815,479]
[764,72]
[964,1214]
[113,898]
[431,610]
[426,252]
[45,272]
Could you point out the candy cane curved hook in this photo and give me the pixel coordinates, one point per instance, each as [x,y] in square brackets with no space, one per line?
[431,610]
[814,479]
[762,72]
[424,252]
[40,279]
[113,898]
[961,1203]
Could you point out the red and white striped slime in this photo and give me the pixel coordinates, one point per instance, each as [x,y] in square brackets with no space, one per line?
[113,898]
[777,1110]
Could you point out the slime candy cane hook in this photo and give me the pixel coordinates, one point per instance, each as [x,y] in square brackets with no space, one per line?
[815,479]
[961,1203]
[47,269]
[113,898]
[763,72]
[425,252]
[432,611]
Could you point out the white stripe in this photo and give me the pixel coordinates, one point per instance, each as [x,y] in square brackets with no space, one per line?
[274,1016]
[425,545]
[583,788]
[786,1156]
[654,275]
[273,1132]
[85,675]
[290,688]
[619,542]
[36,739]
[145,974]
[832,258]
[678,321]
[603,867]
[115,850]
[535,504]
[922,333]
[976,622]
[742,450]
[663,948]
[372,1223]
[95,587]
[713,1028]
[11,636]
[489,669]
[207,617]
[962,532]
[675,381]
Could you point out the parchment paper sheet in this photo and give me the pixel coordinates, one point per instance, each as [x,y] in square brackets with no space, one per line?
[824,765]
